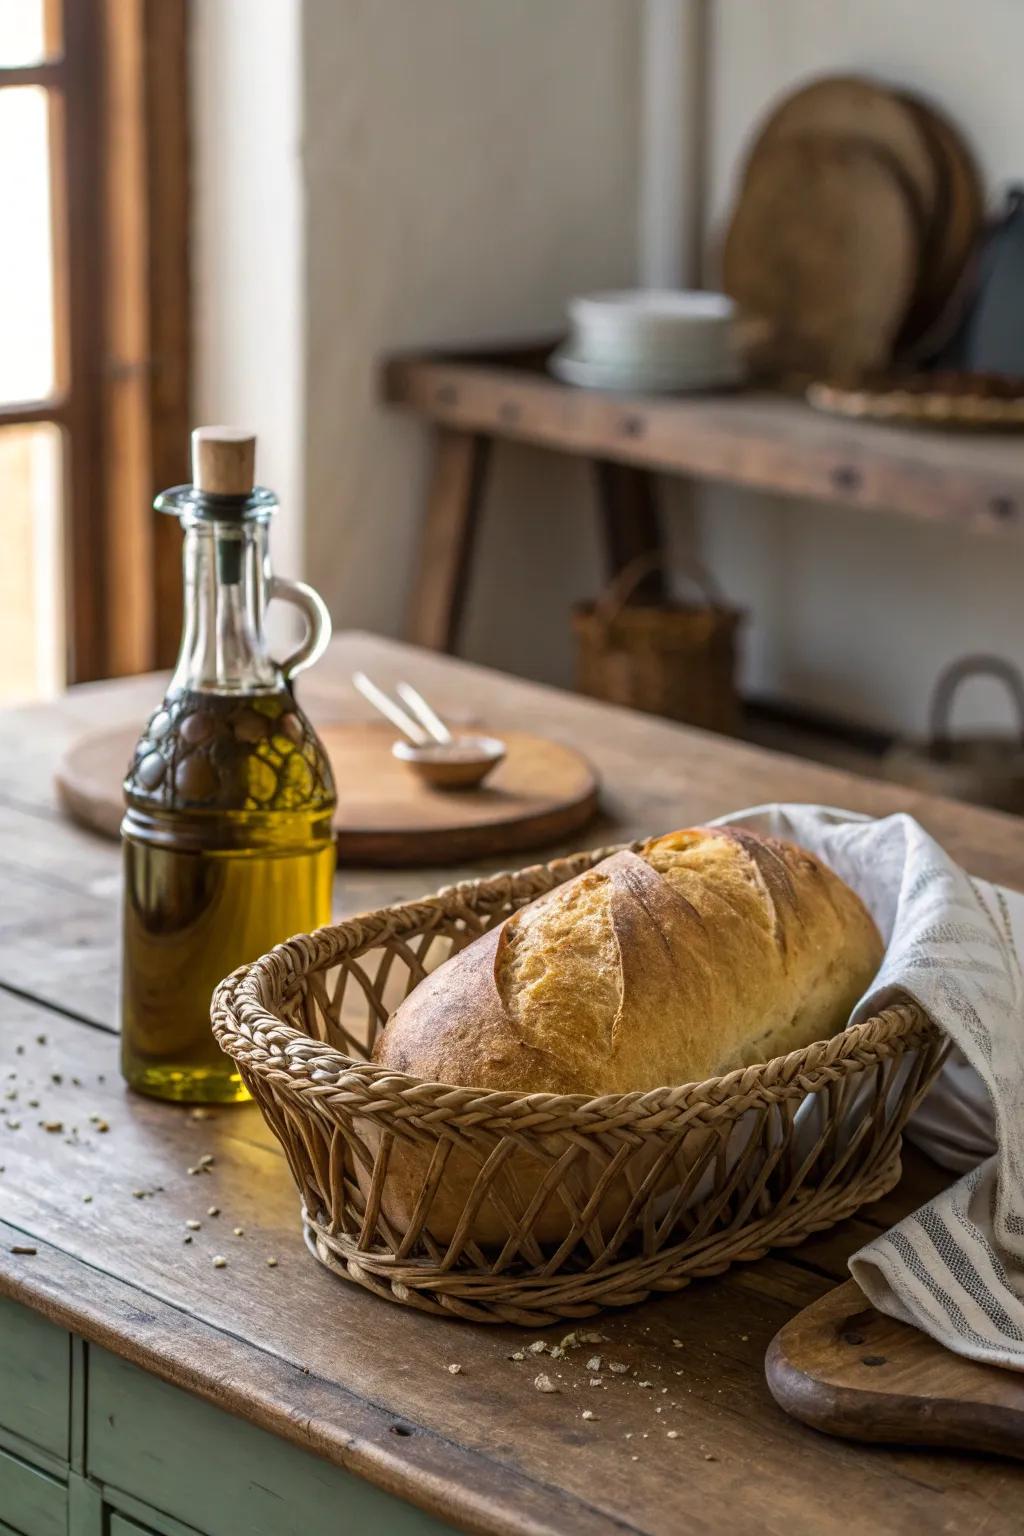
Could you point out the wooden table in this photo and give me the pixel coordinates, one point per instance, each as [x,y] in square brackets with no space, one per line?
[141,1388]
[765,442]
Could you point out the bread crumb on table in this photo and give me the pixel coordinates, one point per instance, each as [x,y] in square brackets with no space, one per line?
[455,1370]
[544,1383]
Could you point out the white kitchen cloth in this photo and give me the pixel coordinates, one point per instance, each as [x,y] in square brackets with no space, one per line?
[955,1268]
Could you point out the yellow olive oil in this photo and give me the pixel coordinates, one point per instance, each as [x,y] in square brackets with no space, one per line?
[206,888]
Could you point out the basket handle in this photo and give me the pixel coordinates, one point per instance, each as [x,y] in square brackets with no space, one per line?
[957,673]
[625,582]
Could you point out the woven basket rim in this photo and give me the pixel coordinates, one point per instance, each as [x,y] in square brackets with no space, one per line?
[247,1027]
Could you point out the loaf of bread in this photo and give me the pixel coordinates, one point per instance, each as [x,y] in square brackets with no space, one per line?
[709,949]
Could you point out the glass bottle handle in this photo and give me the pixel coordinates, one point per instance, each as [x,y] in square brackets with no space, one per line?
[318,623]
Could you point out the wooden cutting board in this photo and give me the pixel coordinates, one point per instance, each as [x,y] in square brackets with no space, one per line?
[848,1370]
[851,107]
[540,794]
[955,228]
[824,248]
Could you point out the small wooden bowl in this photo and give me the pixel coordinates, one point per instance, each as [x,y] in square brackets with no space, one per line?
[462,765]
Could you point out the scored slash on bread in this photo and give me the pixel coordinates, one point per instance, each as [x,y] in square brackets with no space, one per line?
[707,949]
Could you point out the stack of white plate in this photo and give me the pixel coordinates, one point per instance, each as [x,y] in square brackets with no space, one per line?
[649,340]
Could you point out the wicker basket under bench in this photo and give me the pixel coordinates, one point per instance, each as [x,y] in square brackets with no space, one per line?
[502,1207]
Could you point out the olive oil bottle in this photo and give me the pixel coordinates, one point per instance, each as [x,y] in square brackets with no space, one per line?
[228,847]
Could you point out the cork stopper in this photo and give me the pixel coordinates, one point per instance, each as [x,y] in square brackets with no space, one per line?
[223,460]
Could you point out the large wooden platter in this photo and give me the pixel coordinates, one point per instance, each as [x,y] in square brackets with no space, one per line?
[824,247]
[848,1370]
[852,107]
[541,793]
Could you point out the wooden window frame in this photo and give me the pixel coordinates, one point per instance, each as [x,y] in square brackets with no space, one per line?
[116,85]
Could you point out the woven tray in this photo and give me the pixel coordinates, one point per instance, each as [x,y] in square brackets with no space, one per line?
[975,402]
[503,1207]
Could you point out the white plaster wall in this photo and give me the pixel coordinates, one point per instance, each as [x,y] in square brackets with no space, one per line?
[852,614]
[248,240]
[469,165]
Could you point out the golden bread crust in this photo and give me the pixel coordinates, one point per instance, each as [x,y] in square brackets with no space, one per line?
[710,948]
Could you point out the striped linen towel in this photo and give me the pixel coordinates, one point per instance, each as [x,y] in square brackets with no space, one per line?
[955,1268]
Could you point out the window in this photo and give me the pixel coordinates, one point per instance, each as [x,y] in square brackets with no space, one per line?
[93,334]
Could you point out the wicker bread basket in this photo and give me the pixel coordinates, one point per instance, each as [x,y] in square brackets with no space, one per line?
[503,1207]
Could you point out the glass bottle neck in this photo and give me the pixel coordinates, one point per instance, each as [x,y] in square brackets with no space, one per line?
[226,576]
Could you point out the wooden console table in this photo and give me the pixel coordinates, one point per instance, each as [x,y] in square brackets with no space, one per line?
[764,442]
[143,1390]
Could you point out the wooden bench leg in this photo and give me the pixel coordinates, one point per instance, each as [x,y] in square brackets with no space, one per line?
[631,526]
[441,576]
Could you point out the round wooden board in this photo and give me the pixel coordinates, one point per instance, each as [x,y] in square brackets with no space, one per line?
[824,247]
[541,793]
[957,224]
[850,107]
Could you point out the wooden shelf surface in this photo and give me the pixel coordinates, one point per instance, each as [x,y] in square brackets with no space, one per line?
[767,442]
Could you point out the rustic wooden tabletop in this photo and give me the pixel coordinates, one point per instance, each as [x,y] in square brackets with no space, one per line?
[327,1366]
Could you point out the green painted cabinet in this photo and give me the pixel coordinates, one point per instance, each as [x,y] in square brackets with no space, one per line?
[93,1446]
[35,1380]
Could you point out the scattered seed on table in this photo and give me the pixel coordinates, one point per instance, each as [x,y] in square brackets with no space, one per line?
[40,1039]
[213,1210]
[87,1199]
[271,1263]
[673,1434]
[219,1262]
[588,1415]
[677,1344]
[19,1050]
[206,1161]
[199,1113]
[56,1077]
[238,1231]
[25,1248]
[14,1125]
[33,1103]
[187,1239]
[193,1225]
